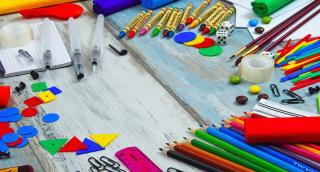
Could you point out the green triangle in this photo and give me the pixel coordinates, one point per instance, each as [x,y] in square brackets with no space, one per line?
[53,146]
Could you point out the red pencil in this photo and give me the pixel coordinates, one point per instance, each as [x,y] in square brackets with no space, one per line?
[313,81]
[302,63]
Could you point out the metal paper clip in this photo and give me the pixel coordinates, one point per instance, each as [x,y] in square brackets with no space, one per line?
[275,90]
[171,169]
[96,165]
[109,162]
[292,101]
[291,94]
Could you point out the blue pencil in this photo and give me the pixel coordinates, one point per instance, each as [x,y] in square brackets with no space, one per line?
[297,73]
[304,50]
[252,150]
[270,151]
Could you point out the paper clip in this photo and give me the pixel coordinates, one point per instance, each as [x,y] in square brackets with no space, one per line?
[96,165]
[171,169]
[292,101]
[275,90]
[109,162]
[291,94]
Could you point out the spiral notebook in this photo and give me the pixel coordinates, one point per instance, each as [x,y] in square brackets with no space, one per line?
[12,64]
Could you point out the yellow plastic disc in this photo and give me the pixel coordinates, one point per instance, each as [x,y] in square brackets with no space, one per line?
[199,39]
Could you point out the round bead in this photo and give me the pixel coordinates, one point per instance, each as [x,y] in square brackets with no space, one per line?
[234,79]
[259,30]
[255,89]
[253,22]
[241,100]
[266,20]
[263,96]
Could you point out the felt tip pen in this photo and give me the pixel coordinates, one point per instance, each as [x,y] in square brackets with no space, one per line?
[75,48]
[97,42]
[47,55]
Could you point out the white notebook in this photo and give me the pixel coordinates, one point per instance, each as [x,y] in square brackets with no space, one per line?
[12,64]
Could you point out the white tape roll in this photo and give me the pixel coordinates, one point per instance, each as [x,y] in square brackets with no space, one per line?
[257,68]
[15,34]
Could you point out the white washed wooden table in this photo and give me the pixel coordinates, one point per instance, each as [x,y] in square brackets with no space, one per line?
[149,96]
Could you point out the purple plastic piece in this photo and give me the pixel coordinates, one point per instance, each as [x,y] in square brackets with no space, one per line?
[107,7]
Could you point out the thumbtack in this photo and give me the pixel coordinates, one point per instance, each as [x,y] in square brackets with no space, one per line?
[21,87]
[34,74]
[121,53]
[313,90]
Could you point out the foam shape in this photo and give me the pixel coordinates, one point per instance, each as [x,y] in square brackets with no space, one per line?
[91,147]
[7,112]
[9,138]
[24,142]
[39,86]
[33,101]
[53,146]
[27,131]
[103,139]
[51,117]
[208,42]
[185,37]
[5,131]
[73,145]
[4,96]
[3,147]
[47,96]
[55,90]
[19,141]
[13,118]
[199,39]
[4,125]
[211,51]
[106,7]
[29,112]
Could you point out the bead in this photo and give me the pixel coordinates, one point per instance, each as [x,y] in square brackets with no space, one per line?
[313,90]
[255,89]
[253,22]
[263,96]
[34,74]
[235,79]
[266,20]
[241,100]
[259,30]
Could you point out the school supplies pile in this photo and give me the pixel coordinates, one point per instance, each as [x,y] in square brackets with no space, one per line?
[98,142]
[300,62]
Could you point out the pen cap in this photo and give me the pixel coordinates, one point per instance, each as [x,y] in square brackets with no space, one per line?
[98,33]
[74,36]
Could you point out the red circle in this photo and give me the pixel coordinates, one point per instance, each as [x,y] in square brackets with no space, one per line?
[4,125]
[29,112]
[4,131]
[15,143]
[208,42]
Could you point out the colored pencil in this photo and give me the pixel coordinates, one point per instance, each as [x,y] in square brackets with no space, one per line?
[187,160]
[225,154]
[308,148]
[313,146]
[299,72]
[301,64]
[216,133]
[235,125]
[281,25]
[306,84]
[301,152]
[233,149]
[207,158]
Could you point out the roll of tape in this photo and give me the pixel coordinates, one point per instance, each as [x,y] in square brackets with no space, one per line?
[15,34]
[257,68]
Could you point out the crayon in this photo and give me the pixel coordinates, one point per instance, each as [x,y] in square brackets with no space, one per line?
[153,21]
[132,23]
[170,22]
[175,24]
[213,17]
[162,22]
[207,25]
[185,15]
[213,29]
[139,25]
[204,16]
[198,11]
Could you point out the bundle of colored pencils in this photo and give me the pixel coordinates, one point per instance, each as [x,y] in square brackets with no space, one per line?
[300,62]
[263,40]
[224,149]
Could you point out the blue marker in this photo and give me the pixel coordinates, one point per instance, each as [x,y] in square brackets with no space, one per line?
[297,73]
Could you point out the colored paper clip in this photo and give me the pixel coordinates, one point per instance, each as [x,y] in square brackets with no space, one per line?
[171,169]
[292,94]
[292,101]
[275,90]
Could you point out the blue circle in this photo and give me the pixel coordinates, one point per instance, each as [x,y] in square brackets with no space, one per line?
[253,22]
[24,142]
[10,111]
[51,117]
[3,147]
[10,138]
[27,131]
[185,37]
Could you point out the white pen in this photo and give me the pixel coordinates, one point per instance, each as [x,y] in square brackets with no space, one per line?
[47,55]
[75,48]
[97,41]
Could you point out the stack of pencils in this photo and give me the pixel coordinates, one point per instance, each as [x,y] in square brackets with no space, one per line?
[300,62]
[224,148]
[262,41]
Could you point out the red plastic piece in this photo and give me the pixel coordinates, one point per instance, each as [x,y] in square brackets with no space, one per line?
[208,42]
[73,145]
[61,11]
[282,130]
[33,101]
[4,131]
[29,112]
[306,84]
[15,143]
[4,125]
[4,96]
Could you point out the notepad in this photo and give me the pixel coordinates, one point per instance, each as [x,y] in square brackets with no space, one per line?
[12,64]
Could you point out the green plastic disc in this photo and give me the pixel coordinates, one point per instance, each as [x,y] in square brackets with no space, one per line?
[211,51]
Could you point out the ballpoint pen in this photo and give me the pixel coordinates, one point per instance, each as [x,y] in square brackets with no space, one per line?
[97,42]
[75,48]
[47,55]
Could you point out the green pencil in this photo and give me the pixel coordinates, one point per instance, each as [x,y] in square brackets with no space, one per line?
[226,155]
[308,75]
[230,148]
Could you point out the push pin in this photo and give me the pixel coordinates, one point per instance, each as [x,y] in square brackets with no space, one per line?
[21,87]
[121,53]
[314,90]
[4,155]
[34,75]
